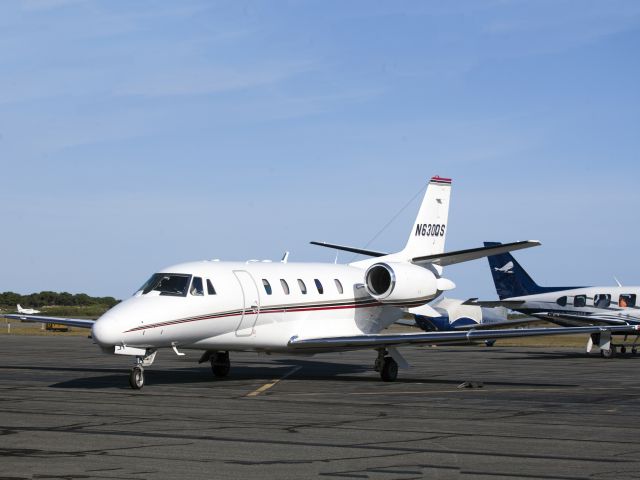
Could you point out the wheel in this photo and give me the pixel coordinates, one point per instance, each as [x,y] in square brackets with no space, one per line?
[489,343]
[220,364]
[608,352]
[389,370]
[634,351]
[136,378]
[623,350]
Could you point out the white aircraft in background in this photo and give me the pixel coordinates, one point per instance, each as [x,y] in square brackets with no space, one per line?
[566,306]
[27,311]
[298,308]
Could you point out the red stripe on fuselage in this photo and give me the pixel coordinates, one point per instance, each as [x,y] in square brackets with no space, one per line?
[167,323]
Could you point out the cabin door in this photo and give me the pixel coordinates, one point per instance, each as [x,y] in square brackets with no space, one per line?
[251,303]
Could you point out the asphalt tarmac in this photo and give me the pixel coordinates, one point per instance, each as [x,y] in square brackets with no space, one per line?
[67,412]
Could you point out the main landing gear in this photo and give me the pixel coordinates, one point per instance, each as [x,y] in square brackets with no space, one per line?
[386,366]
[220,364]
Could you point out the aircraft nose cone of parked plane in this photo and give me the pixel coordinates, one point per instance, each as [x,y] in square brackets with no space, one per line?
[105,332]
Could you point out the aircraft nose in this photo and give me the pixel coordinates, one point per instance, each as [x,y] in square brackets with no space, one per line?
[105,331]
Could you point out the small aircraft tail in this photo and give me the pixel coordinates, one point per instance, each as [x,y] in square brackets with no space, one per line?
[20,309]
[510,279]
[429,231]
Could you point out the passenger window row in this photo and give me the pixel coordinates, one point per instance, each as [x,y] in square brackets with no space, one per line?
[301,286]
[197,286]
[600,300]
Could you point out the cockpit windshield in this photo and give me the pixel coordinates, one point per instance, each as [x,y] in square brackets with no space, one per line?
[167,284]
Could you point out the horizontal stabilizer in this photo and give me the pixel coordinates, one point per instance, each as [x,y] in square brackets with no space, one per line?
[494,303]
[71,322]
[361,251]
[439,338]
[460,256]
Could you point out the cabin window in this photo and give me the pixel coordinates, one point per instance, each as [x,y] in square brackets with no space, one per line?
[196,287]
[602,300]
[562,301]
[210,289]
[580,301]
[167,284]
[303,287]
[267,286]
[318,286]
[627,300]
[338,285]
[285,286]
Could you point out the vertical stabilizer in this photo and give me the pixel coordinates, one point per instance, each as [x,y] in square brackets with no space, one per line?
[429,231]
[511,280]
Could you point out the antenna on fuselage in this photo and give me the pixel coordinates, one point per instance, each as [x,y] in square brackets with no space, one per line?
[285,257]
[617,281]
[335,260]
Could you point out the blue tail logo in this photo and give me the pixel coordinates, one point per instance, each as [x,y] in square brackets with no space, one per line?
[511,280]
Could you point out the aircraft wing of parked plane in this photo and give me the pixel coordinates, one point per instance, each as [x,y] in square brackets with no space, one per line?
[369,341]
[466,333]
[71,322]
[278,307]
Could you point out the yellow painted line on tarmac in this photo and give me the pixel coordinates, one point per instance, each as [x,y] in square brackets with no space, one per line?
[272,383]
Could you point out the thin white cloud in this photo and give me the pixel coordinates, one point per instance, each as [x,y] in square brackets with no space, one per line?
[209,80]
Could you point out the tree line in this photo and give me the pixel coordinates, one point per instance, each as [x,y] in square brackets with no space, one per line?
[43,299]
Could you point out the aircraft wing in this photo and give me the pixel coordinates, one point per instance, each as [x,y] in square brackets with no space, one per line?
[593,319]
[459,256]
[512,304]
[431,338]
[496,325]
[72,322]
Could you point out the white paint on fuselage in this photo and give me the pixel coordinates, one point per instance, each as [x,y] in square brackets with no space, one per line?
[549,301]
[217,322]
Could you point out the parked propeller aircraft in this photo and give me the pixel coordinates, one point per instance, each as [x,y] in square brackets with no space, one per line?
[565,306]
[450,314]
[298,308]
[27,311]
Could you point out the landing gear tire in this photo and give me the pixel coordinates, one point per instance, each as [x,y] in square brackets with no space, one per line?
[136,378]
[389,370]
[623,350]
[634,351]
[220,364]
[608,352]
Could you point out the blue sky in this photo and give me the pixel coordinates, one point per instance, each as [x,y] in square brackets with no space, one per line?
[135,135]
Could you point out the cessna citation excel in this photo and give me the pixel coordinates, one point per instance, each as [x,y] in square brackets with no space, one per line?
[304,308]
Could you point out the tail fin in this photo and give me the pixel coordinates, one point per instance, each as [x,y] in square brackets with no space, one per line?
[429,231]
[19,308]
[510,279]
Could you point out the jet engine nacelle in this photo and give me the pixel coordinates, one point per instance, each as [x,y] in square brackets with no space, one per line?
[403,283]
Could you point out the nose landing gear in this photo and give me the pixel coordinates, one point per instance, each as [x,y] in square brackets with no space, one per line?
[136,377]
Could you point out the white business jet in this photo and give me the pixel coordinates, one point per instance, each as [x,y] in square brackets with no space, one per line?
[27,311]
[298,308]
